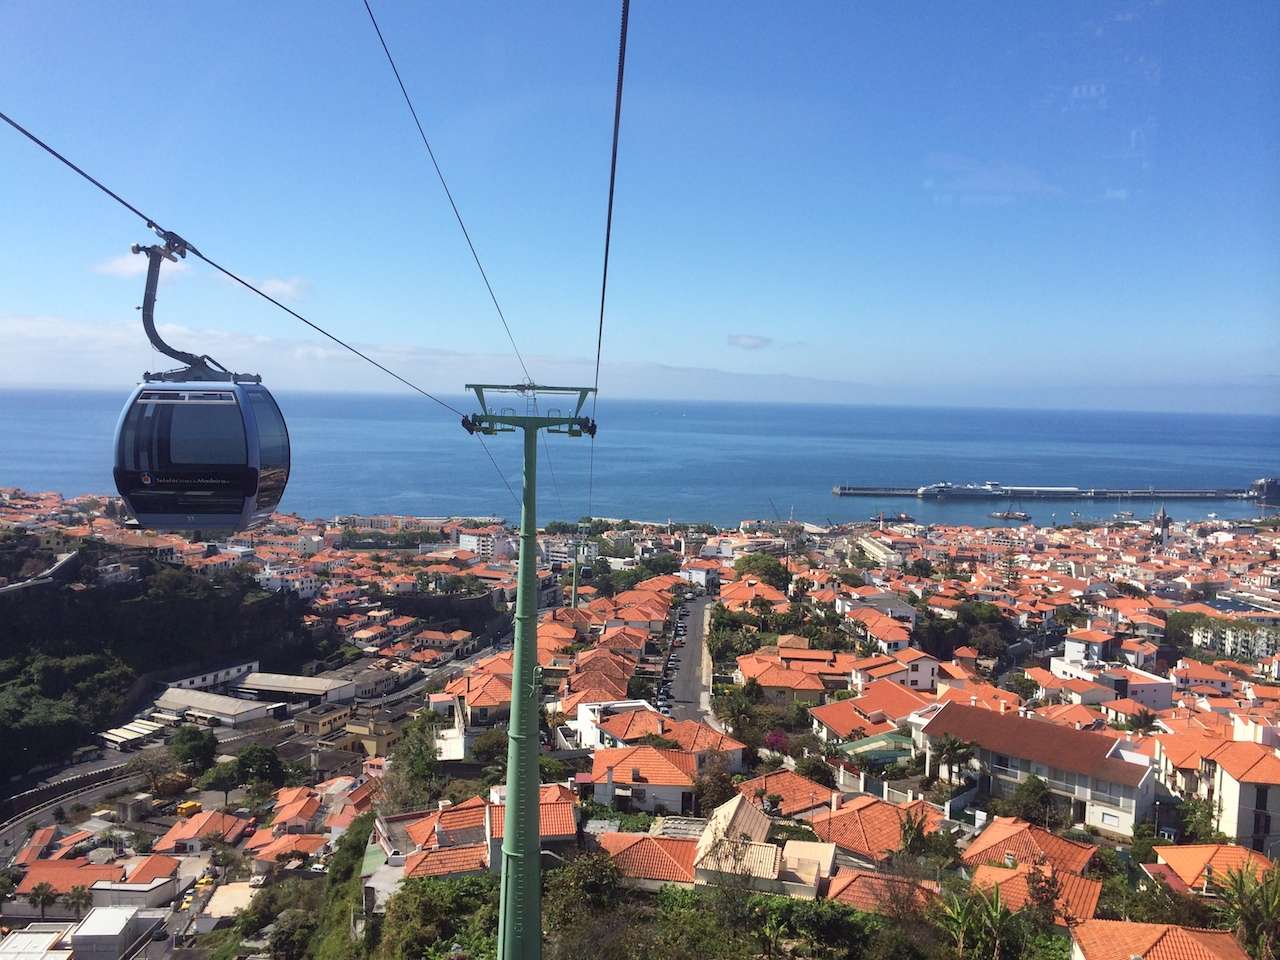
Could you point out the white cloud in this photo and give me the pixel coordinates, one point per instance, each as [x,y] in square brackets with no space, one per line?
[749,341]
[283,288]
[135,265]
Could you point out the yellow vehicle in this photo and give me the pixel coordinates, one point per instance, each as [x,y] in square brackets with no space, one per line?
[189,808]
[186,902]
[205,882]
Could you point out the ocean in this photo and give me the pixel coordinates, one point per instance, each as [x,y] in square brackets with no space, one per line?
[687,460]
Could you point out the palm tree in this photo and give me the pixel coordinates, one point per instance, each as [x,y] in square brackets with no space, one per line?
[913,834]
[42,896]
[79,899]
[953,751]
[1250,905]
[1143,721]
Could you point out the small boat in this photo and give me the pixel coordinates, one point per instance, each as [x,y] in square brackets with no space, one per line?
[1124,515]
[894,517]
[1010,515]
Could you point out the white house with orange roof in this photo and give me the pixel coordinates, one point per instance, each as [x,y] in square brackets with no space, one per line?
[643,778]
[1242,781]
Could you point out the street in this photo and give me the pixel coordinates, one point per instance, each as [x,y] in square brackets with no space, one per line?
[686,687]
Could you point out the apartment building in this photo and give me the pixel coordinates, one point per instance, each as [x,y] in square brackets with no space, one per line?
[1105,785]
[1237,637]
[1242,781]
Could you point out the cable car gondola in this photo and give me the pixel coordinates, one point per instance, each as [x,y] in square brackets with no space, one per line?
[199,448]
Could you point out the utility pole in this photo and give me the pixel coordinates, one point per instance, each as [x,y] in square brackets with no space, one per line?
[520,916]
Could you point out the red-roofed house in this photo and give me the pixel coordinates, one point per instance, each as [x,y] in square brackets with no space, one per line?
[644,778]
[1077,897]
[870,830]
[650,863]
[1008,841]
[879,893]
[62,875]
[784,793]
[190,836]
[1124,940]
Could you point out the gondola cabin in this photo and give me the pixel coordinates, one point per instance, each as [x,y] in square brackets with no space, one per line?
[201,455]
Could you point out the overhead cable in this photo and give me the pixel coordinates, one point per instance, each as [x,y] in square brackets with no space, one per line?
[608,236]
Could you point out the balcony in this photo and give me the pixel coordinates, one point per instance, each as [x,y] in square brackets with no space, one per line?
[1118,803]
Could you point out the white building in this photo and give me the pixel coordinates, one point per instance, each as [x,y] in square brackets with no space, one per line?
[1102,782]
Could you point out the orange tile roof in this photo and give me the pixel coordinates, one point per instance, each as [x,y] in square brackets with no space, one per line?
[62,875]
[841,717]
[1079,751]
[1247,762]
[1028,844]
[798,793]
[448,861]
[556,819]
[153,867]
[640,856]
[481,689]
[1124,940]
[872,892]
[781,678]
[1194,863]
[68,844]
[1077,896]
[633,724]
[302,808]
[35,846]
[870,828]
[697,737]
[290,845]
[658,767]
[224,825]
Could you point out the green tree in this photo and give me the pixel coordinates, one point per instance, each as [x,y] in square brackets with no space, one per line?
[256,763]
[224,777]
[152,764]
[141,843]
[414,779]
[1250,906]
[42,896]
[194,746]
[426,916]
[590,882]
[490,747]
[1031,801]
[291,934]
[1022,685]
[763,567]
[1200,821]
[713,785]
[79,899]
[816,769]
[1144,843]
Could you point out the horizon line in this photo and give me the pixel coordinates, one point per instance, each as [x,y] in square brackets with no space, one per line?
[464,396]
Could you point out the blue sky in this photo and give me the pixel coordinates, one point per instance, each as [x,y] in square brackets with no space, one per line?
[998,204]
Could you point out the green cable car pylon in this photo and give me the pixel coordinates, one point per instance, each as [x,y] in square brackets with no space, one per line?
[520,917]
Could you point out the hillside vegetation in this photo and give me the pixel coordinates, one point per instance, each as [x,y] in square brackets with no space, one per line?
[70,653]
